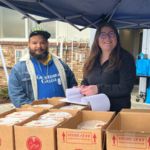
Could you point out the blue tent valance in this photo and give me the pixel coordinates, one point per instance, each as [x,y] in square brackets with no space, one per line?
[88,13]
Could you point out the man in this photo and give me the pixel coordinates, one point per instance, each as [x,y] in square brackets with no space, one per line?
[39,74]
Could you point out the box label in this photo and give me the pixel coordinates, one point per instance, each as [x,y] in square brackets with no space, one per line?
[130,141]
[79,137]
[34,143]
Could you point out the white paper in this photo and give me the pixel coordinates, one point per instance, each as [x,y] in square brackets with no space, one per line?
[73,94]
[99,102]
[78,102]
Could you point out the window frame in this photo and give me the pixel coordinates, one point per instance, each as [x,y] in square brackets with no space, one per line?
[26,31]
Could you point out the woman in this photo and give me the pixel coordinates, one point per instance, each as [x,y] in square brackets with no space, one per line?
[109,69]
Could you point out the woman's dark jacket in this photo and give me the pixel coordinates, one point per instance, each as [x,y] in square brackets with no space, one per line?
[117,84]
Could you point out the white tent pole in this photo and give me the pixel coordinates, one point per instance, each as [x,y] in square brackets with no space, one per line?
[4,64]
[61,49]
[145,50]
[72,54]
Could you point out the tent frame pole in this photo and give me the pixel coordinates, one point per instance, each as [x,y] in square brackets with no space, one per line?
[4,64]
[56,14]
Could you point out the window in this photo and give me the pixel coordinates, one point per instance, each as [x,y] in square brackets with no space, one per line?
[48,26]
[51,28]
[11,24]
[20,53]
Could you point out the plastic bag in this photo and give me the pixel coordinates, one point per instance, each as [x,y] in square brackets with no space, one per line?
[142,66]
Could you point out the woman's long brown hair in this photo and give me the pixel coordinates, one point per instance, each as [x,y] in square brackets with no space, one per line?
[96,51]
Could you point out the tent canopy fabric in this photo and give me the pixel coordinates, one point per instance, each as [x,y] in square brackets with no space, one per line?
[87,13]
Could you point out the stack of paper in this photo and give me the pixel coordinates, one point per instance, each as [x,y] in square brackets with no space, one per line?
[73,94]
[98,102]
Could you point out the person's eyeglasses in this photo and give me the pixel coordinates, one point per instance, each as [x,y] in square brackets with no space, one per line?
[103,35]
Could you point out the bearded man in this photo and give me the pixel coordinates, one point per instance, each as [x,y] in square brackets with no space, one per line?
[39,74]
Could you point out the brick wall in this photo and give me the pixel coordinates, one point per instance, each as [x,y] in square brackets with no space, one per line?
[75,59]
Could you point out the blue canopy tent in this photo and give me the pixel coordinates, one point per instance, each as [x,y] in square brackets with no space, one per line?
[87,13]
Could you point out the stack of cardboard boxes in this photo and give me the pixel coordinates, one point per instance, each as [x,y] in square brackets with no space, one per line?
[38,138]
[128,130]
[7,136]
[69,137]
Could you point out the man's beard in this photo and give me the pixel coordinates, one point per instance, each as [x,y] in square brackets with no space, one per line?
[42,56]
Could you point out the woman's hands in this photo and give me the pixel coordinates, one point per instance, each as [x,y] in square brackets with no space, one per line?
[89,90]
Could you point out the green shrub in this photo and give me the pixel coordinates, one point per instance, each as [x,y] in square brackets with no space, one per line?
[4,93]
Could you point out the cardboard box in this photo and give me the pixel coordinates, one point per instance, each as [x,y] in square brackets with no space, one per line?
[37,138]
[71,138]
[85,107]
[129,131]
[7,132]
[57,104]
[136,110]
[53,101]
